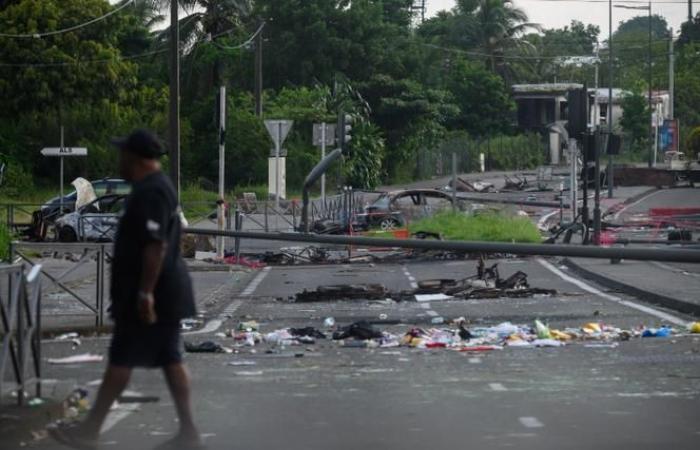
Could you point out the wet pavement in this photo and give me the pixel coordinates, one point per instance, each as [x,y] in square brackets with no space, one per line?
[642,393]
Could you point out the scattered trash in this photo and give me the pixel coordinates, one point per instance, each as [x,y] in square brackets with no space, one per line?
[307,332]
[437,320]
[189,324]
[206,347]
[250,325]
[383,317]
[542,330]
[359,330]
[657,332]
[694,327]
[329,322]
[75,359]
[432,297]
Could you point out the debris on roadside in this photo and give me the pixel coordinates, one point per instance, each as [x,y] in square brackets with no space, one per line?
[206,347]
[343,292]
[189,324]
[472,186]
[487,283]
[694,328]
[77,359]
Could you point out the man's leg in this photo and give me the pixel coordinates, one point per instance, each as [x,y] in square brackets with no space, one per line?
[115,380]
[179,383]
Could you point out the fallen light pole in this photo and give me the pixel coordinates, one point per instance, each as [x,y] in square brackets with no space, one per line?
[640,254]
[311,178]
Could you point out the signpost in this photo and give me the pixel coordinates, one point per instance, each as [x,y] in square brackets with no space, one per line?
[278,130]
[323,135]
[61,152]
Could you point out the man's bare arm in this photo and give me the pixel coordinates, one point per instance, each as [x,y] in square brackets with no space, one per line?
[153,255]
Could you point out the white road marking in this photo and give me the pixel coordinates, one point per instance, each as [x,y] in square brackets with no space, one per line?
[432,313]
[424,305]
[588,288]
[231,308]
[498,387]
[474,360]
[250,289]
[530,422]
[411,278]
[646,197]
[120,412]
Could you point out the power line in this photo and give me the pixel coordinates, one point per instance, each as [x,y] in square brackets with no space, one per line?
[69,29]
[640,2]
[241,45]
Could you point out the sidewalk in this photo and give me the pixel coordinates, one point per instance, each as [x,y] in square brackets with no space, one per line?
[669,285]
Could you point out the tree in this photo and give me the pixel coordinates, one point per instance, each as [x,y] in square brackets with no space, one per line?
[690,32]
[635,118]
[485,106]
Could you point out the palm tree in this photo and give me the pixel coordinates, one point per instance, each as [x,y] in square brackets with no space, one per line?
[499,26]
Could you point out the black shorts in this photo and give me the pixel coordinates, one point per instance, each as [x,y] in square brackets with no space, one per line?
[157,345]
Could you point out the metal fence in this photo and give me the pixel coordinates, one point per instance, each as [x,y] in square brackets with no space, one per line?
[89,253]
[20,337]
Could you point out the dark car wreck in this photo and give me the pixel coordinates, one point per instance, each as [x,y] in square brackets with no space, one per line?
[391,210]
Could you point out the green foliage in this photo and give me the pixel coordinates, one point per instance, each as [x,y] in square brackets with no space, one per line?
[5,241]
[363,169]
[16,182]
[483,227]
[693,143]
[635,118]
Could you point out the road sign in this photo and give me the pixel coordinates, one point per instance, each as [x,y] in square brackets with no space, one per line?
[283,152]
[278,130]
[64,151]
[330,134]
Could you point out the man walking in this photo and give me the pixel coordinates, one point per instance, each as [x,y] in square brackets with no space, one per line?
[151,291]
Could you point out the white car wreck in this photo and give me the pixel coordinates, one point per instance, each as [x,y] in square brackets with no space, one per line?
[96,221]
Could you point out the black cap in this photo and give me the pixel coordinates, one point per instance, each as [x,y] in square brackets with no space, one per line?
[142,143]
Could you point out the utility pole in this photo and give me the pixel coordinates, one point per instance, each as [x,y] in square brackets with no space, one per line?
[174,114]
[259,72]
[690,10]
[60,202]
[610,175]
[651,131]
[323,156]
[671,75]
[221,203]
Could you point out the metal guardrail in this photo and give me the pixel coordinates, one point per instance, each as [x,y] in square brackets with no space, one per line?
[641,254]
[20,337]
[88,251]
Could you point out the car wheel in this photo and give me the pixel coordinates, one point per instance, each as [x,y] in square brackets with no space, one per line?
[388,224]
[67,234]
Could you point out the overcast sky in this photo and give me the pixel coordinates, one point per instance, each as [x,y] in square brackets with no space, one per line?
[558,14]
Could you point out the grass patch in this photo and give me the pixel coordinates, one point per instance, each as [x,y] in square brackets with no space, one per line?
[483,227]
[5,240]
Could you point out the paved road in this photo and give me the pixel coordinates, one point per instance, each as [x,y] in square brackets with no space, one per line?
[641,394]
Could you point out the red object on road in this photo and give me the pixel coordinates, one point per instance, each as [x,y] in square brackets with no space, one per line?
[435,345]
[656,212]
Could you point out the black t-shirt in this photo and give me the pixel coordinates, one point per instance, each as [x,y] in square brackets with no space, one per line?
[151,214]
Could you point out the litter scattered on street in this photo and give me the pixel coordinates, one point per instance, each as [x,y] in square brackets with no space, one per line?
[75,359]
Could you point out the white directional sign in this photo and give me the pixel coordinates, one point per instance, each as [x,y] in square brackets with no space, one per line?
[64,151]
[278,129]
[329,133]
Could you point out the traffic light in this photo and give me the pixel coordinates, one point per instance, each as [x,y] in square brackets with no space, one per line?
[343,130]
[577,123]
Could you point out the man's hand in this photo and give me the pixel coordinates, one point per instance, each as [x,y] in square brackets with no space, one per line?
[147,308]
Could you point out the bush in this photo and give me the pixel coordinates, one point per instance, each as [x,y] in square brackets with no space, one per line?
[5,240]
[485,227]
[17,181]
[693,143]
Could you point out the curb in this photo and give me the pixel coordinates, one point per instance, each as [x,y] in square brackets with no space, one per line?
[681,306]
[613,208]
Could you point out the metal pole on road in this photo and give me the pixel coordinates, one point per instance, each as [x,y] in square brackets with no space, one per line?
[277,165]
[639,254]
[221,204]
[60,202]
[454,182]
[323,155]
[609,176]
